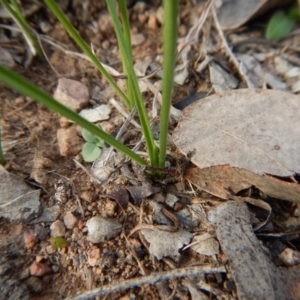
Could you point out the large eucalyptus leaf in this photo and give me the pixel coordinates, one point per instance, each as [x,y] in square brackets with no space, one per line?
[254,129]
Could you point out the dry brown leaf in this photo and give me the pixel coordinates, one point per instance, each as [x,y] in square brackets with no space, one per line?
[164,243]
[244,10]
[226,181]
[255,276]
[120,195]
[254,129]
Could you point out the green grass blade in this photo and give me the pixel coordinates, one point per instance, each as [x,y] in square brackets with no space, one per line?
[125,24]
[85,48]
[169,57]
[27,88]
[18,17]
[152,150]
[2,158]
[126,32]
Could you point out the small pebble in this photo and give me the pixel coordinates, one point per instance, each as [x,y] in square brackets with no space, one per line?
[94,257]
[39,269]
[70,220]
[58,229]
[289,257]
[100,228]
[30,238]
[105,45]
[69,143]
[19,101]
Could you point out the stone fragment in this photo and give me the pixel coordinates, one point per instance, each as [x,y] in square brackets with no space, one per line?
[69,142]
[289,257]
[30,238]
[70,220]
[39,269]
[100,228]
[58,228]
[72,94]
[94,257]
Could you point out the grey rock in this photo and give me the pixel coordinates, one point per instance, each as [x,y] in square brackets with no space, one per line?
[100,228]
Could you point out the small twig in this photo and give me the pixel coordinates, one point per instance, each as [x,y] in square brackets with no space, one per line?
[78,164]
[236,63]
[129,119]
[151,279]
[153,227]
[128,116]
[194,31]
[134,254]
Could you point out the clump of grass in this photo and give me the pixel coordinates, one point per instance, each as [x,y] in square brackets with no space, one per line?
[133,96]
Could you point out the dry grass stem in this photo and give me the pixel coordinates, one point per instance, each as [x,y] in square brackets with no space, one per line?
[151,279]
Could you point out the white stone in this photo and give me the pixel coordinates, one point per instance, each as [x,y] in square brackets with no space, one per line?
[70,220]
[100,228]
[99,113]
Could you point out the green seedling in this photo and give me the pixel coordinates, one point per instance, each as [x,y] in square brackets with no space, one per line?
[92,149]
[282,23]
[58,242]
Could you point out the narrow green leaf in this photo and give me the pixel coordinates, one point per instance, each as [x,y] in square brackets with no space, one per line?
[90,152]
[141,109]
[169,47]
[2,158]
[88,137]
[279,26]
